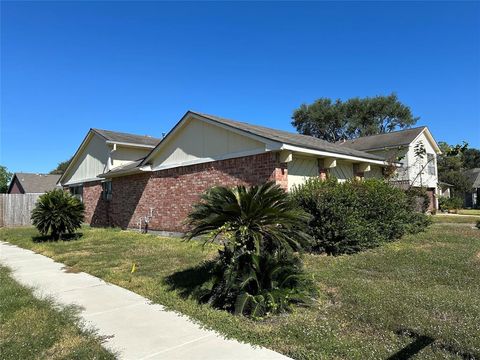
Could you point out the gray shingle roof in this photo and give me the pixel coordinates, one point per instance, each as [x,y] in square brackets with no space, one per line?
[289,138]
[124,169]
[127,138]
[36,183]
[396,138]
[474,177]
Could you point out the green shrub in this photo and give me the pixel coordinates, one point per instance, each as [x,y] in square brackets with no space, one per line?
[260,228]
[57,212]
[418,199]
[450,204]
[356,215]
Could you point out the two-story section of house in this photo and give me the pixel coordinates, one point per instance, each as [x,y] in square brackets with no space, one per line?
[102,151]
[414,148]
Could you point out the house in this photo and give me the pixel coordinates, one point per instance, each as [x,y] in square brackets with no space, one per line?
[472,197]
[26,183]
[128,183]
[405,146]
[100,152]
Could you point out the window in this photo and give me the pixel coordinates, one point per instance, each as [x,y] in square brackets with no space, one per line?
[77,191]
[107,190]
[431,164]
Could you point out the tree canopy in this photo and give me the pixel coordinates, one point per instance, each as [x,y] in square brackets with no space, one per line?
[5,177]
[61,167]
[337,120]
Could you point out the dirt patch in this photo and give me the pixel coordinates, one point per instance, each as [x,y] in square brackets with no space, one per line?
[70,270]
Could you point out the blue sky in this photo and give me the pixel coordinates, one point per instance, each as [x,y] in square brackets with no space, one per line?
[138,67]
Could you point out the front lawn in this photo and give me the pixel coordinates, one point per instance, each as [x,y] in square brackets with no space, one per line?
[469,212]
[455,219]
[31,328]
[420,294]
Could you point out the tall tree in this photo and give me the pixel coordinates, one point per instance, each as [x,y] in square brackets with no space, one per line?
[338,120]
[471,158]
[61,167]
[5,177]
[450,167]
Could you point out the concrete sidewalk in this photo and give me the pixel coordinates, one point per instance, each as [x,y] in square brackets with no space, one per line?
[136,328]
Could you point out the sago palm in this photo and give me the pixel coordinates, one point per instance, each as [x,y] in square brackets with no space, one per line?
[255,219]
[57,212]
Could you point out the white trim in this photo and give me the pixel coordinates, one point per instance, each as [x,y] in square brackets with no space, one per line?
[80,182]
[129,144]
[430,138]
[332,154]
[209,159]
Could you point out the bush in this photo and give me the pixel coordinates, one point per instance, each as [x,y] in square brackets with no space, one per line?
[57,212]
[260,228]
[450,204]
[478,224]
[418,199]
[356,215]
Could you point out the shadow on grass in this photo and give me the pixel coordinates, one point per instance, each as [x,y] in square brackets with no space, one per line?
[48,238]
[192,281]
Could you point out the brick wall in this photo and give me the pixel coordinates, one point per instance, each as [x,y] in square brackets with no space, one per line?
[96,209]
[170,193]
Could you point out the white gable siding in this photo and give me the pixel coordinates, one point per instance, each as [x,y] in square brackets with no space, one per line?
[124,155]
[300,169]
[199,141]
[90,162]
[343,171]
[415,164]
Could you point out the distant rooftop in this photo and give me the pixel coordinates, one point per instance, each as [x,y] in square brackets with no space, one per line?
[387,140]
[36,183]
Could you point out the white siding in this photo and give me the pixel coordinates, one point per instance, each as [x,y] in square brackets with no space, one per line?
[300,169]
[124,155]
[90,163]
[199,141]
[416,164]
[343,171]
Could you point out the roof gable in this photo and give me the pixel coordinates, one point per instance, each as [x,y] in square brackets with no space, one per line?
[125,138]
[272,138]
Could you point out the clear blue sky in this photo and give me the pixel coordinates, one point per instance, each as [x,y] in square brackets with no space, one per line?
[138,67]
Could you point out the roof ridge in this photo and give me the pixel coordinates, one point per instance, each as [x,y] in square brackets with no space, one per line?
[384,134]
[125,133]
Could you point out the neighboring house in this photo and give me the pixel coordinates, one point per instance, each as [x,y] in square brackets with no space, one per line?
[444,189]
[472,197]
[160,184]
[400,146]
[25,183]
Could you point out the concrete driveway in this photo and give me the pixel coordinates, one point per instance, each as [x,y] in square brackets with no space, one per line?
[136,329]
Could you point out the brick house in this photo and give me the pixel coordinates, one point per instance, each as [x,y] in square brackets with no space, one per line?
[125,180]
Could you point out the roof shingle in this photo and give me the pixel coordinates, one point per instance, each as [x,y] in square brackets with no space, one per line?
[37,183]
[128,138]
[381,141]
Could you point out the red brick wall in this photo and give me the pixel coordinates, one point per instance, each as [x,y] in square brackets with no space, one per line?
[96,209]
[172,192]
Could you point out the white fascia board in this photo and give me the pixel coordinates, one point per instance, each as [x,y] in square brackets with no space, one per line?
[130,144]
[81,182]
[209,159]
[333,155]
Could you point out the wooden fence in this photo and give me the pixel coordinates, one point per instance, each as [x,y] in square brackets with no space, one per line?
[15,209]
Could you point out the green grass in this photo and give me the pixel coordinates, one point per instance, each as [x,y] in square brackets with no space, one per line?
[454,219]
[427,284]
[31,328]
[469,212]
